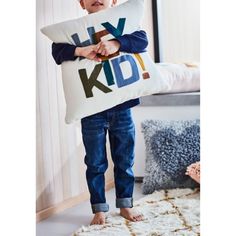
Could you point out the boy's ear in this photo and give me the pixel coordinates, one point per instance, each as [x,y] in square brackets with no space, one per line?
[82,3]
[114,2]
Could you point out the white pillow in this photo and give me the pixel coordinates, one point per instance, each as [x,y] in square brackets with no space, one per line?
[91,87]
[183,77]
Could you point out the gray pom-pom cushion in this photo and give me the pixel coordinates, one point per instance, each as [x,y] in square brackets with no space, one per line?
[171,146]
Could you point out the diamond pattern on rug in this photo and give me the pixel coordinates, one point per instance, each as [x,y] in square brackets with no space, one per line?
[166,213]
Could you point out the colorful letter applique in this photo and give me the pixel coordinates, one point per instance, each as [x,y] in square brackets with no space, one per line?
[107,64]
[120,80]
[89,83]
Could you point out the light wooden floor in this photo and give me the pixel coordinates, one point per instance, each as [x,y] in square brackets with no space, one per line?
[65,223]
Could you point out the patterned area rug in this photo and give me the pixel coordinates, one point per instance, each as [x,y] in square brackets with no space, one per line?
[172,212]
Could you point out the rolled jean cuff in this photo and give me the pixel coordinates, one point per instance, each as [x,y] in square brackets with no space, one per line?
[100,207]
[124,202]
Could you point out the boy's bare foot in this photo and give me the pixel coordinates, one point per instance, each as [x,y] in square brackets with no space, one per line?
[129,214]
[98,219]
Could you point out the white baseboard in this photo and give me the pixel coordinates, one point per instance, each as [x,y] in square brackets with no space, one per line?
[42,215]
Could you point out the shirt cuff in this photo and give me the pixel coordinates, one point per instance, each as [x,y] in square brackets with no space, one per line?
[70,52]
[124,43]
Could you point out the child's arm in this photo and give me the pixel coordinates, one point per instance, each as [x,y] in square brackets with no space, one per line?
[131,43]
[63,52]
[67,52]
[136,42]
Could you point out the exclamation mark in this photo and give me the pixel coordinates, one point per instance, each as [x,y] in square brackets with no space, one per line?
[140,60]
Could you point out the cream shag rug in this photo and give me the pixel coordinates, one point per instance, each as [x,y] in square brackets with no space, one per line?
[166,213]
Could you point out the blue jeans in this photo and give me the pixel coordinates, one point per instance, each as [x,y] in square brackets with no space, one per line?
[121,131]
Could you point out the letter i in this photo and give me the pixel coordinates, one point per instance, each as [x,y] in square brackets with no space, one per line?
[140,60]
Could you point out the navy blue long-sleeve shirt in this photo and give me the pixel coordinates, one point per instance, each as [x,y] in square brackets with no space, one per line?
[131,43]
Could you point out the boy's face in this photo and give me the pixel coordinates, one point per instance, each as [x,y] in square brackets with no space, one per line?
[96,5]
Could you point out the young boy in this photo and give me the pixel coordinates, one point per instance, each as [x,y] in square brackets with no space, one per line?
[117,121]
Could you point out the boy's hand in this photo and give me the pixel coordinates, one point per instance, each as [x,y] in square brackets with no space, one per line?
[88,52]
[108,47]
